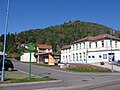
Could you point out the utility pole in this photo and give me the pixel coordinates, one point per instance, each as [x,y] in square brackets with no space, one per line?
[111,50]
[5,34]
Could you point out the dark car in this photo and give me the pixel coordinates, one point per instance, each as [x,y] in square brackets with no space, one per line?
[8,65]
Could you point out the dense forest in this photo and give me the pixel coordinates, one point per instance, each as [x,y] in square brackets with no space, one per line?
[57,36]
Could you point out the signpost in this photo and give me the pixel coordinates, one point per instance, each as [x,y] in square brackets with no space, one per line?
[31,48]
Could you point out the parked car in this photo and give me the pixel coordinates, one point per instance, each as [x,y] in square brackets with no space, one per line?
[8,65]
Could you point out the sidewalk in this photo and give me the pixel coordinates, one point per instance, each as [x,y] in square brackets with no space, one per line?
[109,66]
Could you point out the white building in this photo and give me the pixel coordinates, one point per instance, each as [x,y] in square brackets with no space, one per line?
[91,49]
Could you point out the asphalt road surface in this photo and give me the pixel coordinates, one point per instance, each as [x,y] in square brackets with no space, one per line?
[70,80]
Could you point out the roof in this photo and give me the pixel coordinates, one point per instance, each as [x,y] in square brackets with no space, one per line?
[66,47]
[95,38]
[44,46]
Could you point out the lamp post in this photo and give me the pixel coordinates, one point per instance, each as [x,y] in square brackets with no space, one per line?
[6,26]
[111,50]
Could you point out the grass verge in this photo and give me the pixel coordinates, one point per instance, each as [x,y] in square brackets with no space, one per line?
[21,77]
[88,68]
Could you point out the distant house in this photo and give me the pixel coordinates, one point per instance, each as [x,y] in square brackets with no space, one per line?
[92,49]
[1,55]
[57,56]
[44,51]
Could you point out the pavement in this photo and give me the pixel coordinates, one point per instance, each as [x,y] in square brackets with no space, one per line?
[108,66]
[70,80]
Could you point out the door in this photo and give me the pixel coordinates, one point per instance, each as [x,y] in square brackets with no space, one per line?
[111,57]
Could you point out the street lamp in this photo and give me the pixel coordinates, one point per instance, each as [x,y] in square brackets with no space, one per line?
[111,32]
[6,26]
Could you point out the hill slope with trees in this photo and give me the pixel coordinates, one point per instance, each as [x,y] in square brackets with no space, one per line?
[56,35]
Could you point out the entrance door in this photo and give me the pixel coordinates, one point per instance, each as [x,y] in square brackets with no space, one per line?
[111,57]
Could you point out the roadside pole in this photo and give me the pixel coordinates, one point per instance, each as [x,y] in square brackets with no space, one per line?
[31,48]
[112,67]
[6,27]
[29,67]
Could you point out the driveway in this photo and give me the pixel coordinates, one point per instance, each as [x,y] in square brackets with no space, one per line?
[70,80]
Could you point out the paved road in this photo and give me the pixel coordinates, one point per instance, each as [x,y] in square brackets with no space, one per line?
[70,80]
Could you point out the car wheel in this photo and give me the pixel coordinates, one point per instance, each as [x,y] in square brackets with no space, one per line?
[9,69]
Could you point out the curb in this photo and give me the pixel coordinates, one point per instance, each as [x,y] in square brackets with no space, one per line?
[30,83]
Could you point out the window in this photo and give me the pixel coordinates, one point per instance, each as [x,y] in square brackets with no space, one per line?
[80,45]
[93,56]
[84,55]
[77,56]
[76,46]
[96,44]
[80,56]
[90,45]
[89,56]
[102,43]
[100,56]
[73,57]
[73,47]
[66,59]
[69,57]
[84,45]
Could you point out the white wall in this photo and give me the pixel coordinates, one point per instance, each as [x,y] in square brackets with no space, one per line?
[97,52]
[26,57]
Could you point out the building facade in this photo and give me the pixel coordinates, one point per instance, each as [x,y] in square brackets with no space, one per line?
[43,52]
[91,49]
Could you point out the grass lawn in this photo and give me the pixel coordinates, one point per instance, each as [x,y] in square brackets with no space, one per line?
[20,77]
[88,68]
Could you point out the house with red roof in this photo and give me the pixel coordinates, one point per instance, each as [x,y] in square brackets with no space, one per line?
[44,51]
[92,49]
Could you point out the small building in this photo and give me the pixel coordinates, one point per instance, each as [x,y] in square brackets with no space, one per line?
[44,51]
[1,55]
[92,49]
[57,56]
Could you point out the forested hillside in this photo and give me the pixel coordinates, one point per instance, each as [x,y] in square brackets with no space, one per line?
[62,34]
[56,35]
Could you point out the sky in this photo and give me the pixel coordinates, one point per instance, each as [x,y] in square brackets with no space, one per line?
[35,14]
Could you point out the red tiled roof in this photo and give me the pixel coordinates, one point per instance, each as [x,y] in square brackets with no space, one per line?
[99,37]
[44,46]
[66,46]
